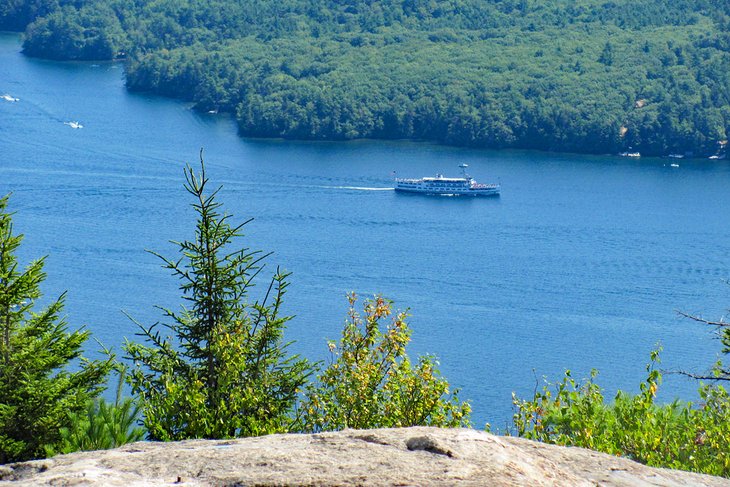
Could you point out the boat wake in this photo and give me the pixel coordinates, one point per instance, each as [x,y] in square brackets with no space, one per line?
[359,188]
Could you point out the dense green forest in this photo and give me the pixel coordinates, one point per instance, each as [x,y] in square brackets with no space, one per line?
[591,76]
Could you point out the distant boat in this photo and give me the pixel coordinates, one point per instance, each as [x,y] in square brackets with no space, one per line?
[630,154]
[674,165]
[715,157]
[74,125]
[676,156]
[7,97]
[440,185]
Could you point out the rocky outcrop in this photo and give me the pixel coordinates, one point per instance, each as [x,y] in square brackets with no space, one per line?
[410,456]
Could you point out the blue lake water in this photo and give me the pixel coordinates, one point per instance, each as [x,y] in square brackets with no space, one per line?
[581,263]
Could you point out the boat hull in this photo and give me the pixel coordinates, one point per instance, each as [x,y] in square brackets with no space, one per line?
[467,192]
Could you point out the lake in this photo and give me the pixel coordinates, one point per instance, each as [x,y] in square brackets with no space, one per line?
[581,263]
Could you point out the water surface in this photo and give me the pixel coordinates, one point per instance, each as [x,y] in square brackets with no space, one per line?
[581,263]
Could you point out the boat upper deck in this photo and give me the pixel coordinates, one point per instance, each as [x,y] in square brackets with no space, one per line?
[436,179]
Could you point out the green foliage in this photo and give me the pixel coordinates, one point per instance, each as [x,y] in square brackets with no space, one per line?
[223,371]
[371,382]
[37,391]
[102,425]
[481,73]
[88,33]
[15,15]
[677,435]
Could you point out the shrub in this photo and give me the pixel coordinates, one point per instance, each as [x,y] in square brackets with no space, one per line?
[678,435]
[371,383]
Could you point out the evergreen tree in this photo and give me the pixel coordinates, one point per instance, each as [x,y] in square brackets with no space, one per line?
[223,371]
[103,425]
[38,394]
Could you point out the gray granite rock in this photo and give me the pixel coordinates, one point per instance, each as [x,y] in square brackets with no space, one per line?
[409,456]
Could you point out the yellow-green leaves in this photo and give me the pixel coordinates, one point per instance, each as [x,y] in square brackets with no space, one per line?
[677,435]
[371,382]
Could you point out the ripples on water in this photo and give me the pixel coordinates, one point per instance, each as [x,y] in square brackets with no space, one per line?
[581,263]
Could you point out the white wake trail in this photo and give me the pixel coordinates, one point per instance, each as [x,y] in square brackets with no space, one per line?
[359,188]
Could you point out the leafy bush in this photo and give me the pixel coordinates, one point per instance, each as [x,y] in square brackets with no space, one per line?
[223,372]
[678,435]
[371,382]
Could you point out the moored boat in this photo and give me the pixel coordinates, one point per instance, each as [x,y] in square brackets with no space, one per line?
[441,185]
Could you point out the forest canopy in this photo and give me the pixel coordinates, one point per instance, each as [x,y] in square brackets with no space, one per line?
[564,75]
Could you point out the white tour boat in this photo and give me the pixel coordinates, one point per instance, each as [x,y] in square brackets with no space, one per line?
[441,185]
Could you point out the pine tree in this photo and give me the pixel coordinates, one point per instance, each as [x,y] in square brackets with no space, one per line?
[37,392]
[222,372]
[103,425]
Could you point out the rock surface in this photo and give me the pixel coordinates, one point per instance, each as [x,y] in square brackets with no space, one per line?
[409,456]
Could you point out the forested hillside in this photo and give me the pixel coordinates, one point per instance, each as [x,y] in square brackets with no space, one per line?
[570,75]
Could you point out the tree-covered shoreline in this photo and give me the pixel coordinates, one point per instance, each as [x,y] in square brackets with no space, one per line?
[593,77]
